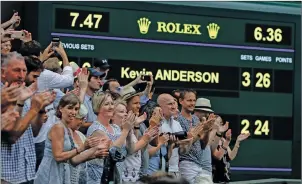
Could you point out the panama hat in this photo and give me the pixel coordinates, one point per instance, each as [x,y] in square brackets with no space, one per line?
[203,104]
[129,92]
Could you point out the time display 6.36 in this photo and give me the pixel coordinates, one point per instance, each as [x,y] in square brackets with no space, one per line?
[72,19]
[256,33]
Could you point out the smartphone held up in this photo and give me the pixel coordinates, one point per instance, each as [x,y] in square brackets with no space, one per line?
[146,78]
[55,41]
[17,35]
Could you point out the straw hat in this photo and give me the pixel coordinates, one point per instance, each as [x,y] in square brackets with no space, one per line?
[129,92]
[203,104]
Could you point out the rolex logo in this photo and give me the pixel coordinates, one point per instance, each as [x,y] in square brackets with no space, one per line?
[213,30]
[143,24]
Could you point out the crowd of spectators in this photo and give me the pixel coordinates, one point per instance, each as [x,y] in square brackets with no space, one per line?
[66,124]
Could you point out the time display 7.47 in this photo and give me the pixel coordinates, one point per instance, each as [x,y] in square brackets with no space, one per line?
[72,19]
[267,34]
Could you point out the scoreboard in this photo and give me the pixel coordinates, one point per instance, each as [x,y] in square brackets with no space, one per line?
[244,63]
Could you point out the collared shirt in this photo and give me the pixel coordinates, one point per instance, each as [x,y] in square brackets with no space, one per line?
[144,99]
[172,126]
[18,161]
[51,80]
[91,116]
[195,154]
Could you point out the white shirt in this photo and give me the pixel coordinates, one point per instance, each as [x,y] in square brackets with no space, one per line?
[51,80]
[132,164]
[172,126]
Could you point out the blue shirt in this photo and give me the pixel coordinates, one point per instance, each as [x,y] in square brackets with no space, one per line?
[206,163]
[154,161]
[59,95]
[91,116]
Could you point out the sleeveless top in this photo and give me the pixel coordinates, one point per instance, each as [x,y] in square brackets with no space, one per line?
[78,173]
[50,171]
[95,167]
[132,164]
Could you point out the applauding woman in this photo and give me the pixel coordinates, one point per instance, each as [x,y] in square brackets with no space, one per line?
[222,157]
[100,170]
[133,161]
[60,150]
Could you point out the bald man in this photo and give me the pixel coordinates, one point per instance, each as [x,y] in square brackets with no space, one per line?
[169,153]
[167,104]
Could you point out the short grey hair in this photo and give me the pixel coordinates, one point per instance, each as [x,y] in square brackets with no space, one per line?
[6,58]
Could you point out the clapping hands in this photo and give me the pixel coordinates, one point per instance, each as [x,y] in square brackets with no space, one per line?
[8,120]
[243,136]
[129,121]
[41,100]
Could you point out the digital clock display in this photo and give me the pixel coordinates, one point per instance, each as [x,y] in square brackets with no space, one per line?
[72,19]
[267,34]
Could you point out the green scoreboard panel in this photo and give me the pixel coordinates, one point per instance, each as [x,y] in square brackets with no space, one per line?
[243,64]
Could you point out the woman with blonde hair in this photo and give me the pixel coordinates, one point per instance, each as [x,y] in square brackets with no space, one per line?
[103,170]
[131,165]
